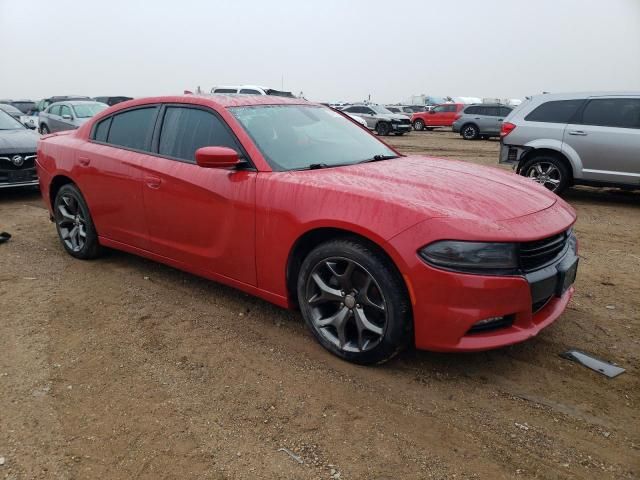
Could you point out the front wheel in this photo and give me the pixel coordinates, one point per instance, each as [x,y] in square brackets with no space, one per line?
[382,128]
[74,223]
[418,125]
[354,302]
[44,130]
[548,171]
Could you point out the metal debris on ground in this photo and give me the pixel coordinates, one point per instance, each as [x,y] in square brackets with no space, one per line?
[609,369]
[4,237]
[291,454]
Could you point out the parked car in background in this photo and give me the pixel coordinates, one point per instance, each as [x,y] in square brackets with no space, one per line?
[380,119]
[439,116]
[112,100]
[400,109]
[480,121]
[560,140]
[358,119]
[25,106]
[377,249]
[17,153]
[68,115]
[11,110]
[249,90]
[42,105]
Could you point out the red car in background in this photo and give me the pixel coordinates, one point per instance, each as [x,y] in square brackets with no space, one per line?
[297,204]
[439,116]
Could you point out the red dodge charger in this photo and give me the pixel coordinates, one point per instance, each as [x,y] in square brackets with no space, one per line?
[295,203]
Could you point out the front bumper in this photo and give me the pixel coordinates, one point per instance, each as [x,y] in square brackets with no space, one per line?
[447,306]
[511,154]
[401,127]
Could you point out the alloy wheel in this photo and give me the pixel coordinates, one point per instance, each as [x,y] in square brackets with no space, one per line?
[347,305]
[469,132]
[545,173]
[71,223]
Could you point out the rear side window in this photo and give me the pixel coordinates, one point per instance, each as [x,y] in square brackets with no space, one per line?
[492,111]
[504,111]
[55,110]
[225,90]
[249,91]
[612,112]
[133,128]
[185,130]
[560,111]
[101,131]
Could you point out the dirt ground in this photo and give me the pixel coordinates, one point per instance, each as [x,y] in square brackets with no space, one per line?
[121,368]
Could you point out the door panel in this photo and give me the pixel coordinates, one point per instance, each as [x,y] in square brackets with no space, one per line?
[110,180]
[608,154]
[202,216]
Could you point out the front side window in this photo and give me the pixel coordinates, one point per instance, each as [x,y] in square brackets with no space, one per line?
[295,137]
[472,110]
[88,110]
[558,111]
[612,112]
[65,110]
[225,90]
[492,111]
[185,130]
[440,109]
[55,110]
[133,128]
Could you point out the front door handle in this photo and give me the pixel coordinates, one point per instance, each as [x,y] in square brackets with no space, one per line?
[152,182]
[84,161]
[578,132]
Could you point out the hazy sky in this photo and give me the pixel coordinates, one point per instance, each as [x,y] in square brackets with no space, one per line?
[329,49]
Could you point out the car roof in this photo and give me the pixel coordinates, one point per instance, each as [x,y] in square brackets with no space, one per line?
[73,102]
[218,100]
[577,95]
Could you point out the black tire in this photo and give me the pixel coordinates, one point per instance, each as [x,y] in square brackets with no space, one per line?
[470,131]
[383,128]
[382,301]
[418,125]
[71,214]
[44,130]
[548,170]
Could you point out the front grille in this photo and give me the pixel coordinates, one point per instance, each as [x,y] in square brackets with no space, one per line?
[11,173]
[540,253]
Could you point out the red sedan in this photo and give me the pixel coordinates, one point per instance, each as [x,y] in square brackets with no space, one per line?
[299,205]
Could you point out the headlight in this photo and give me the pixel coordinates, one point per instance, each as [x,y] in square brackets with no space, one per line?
[472,257]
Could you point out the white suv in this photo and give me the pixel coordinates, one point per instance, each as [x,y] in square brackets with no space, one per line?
[249,90]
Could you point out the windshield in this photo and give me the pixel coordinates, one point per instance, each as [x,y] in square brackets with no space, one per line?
[379,109]
[295,137]
[7,122]
[10,109]
[87,110]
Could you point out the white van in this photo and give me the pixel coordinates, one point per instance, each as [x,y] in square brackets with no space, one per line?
[248,90]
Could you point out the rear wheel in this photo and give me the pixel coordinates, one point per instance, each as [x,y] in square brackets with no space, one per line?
[547,170]
[354,302]
[383,128]
[74,223]
[470,132]
[418,125]
[44,130]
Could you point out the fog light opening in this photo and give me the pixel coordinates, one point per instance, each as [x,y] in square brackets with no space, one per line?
[491,323]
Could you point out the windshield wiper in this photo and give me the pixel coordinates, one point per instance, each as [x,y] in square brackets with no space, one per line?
[377,158]
[317,166]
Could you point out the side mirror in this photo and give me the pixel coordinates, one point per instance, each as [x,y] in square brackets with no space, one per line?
[66,117]
[217,157]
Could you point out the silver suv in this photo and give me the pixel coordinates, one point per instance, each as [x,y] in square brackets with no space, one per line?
[480,120]
[562,140]
[380,119]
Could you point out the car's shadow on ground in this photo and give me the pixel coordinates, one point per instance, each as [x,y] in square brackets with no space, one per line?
[22,194]
[602,196]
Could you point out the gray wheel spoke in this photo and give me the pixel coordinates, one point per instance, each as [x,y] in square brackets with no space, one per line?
[81,231]
[343,278]
[327,294]
[65,214]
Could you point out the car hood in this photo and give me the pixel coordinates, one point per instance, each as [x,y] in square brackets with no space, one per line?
[437,187]
[392,116]
[18,141]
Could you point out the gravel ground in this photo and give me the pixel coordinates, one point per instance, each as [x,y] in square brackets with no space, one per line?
[122,368]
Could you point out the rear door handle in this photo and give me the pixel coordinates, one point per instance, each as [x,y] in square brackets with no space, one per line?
[152,182]
[578,132]
[84,161]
